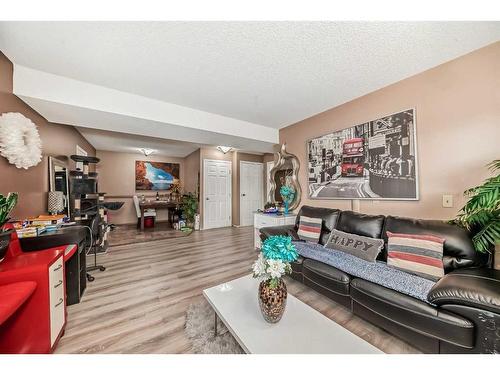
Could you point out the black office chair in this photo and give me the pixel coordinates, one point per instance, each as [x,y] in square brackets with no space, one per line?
[97,229]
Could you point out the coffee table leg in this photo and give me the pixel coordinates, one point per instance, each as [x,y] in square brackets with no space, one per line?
[215,324]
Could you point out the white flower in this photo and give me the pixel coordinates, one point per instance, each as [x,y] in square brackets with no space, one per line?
[276,268]
[259,266]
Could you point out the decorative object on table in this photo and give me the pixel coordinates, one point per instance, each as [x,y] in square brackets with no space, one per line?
[373,160]
[199,329]
[285,172]
[151,175]
[7,204]
[189,208]
[270,267]
[481,214]
[59,180]
[270,208]
[288,194]
[55,202]
[19,140]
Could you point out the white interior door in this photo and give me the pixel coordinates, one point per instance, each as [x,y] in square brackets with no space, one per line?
[216,194]
[251,190]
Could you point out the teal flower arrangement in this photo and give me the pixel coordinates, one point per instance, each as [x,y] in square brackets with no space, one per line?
[274,260]
[279,248]
[287,193]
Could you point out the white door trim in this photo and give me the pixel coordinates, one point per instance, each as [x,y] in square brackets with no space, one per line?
[262,187]
[229,182]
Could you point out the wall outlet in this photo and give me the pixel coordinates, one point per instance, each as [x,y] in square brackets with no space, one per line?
[447,200]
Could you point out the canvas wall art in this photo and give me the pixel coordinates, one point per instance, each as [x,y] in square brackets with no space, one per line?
[151,175]
[374,160]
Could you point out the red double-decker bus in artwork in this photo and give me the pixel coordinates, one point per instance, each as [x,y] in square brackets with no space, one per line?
[352,157]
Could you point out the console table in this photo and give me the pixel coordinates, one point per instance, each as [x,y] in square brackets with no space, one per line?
[262,220]
[157,205]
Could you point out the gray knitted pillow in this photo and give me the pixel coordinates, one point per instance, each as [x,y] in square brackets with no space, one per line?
[362,247]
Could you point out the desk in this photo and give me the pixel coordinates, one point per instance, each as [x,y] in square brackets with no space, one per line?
[75,267]
[157,205]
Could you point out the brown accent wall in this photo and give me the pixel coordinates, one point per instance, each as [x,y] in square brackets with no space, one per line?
[57,140]
[117,179]
[192,175]
[458,131]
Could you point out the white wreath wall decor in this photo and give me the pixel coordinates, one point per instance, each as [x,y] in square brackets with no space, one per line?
[19,140]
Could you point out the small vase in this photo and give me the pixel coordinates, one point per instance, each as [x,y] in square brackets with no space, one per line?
[286,207]
[272,301]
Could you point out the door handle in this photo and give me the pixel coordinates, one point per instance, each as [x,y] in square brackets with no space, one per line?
[244,195]
[207,198]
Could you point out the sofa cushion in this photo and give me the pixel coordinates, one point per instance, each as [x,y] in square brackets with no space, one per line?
[327,276]
[420,254]
[310,228]
[283,230]
[362,247]
[412,313]
[328,215]
[475,287]
[458,250]
[361,224]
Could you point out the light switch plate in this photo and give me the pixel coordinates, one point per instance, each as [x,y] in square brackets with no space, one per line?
[447,200]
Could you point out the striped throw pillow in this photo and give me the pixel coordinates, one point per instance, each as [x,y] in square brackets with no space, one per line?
[310,229]
[419,254]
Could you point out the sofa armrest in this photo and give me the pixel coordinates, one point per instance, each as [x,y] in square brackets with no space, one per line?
[474,287]
[283,230]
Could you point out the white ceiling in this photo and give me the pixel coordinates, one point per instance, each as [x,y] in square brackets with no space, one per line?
[232,83]
[269,73]
[122,142]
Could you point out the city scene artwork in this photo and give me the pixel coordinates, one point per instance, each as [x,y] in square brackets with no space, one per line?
[374,160]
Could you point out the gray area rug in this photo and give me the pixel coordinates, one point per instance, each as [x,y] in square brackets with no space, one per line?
[200,330]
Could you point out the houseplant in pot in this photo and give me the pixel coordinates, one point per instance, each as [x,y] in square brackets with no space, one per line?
[481,213]
[270,267]
[189,208]
[7,204]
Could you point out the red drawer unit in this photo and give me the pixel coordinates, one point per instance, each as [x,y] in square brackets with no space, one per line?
[38,323]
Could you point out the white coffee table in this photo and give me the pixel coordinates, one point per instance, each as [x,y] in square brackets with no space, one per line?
[302,330]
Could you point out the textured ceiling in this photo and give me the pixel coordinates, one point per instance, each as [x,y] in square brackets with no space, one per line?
[269,73]
[121,142]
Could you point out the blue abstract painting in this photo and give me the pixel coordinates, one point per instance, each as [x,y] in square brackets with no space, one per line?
[155,175]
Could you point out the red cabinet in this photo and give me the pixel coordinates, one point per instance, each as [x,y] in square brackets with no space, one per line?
[37,325]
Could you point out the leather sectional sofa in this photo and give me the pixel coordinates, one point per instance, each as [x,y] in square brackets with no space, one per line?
[463,315]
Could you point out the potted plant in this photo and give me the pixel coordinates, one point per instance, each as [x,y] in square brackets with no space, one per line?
[272,264]
[7,204]
[189,208]
[481,213]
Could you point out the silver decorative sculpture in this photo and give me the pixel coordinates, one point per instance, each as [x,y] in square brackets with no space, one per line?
[285,171]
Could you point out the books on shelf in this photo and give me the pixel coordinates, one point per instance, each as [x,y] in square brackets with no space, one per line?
[46,219]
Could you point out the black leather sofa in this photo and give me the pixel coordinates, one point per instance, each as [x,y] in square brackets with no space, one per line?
[465,317]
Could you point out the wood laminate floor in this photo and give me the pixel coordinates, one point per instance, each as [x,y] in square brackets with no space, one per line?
[138,304]
[125,234]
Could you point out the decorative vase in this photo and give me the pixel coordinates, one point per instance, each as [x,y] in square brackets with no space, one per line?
[272,301]
[286,207]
